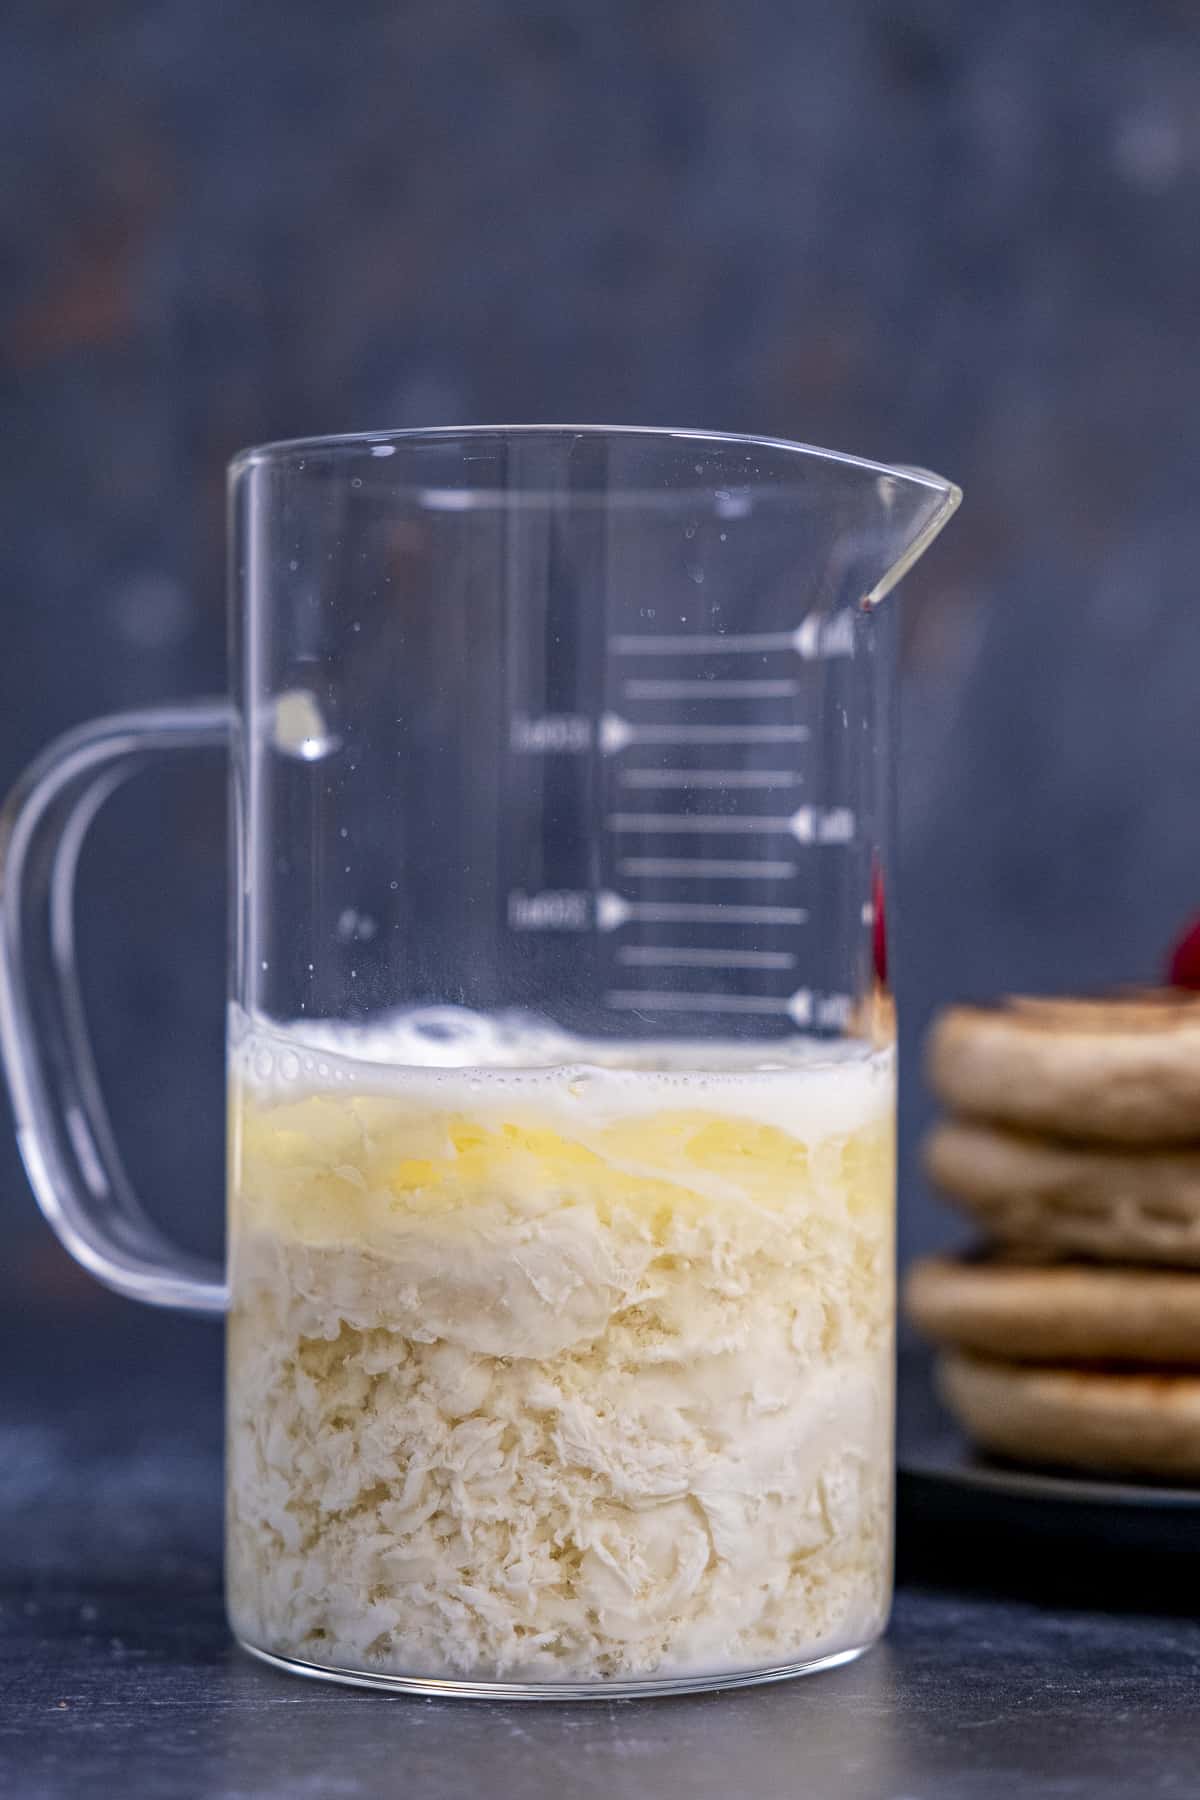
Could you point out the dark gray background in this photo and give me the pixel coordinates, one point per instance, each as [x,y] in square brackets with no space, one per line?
[959,235]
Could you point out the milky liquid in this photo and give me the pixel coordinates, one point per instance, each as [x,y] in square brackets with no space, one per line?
[554,1362]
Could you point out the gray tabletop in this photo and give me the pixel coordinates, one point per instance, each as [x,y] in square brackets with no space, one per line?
[117,1675]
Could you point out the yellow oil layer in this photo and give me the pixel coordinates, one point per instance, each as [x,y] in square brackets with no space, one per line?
[340,1168]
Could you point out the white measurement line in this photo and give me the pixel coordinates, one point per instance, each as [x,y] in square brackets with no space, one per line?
[616,734]
[631,644]
[820,635]
[613,911]
[804,1007]
[712,778]
[808,824]
[653,956]
[641,999]
[700,689]
[709,822]
[705,867]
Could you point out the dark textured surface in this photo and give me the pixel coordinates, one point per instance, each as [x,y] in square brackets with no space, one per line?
[952,234]
[139,1693]
[117,1676]
[959,235]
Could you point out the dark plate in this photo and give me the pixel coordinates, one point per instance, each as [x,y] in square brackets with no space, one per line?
[943,1484]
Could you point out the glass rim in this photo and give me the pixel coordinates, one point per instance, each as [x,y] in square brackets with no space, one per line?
[333,443]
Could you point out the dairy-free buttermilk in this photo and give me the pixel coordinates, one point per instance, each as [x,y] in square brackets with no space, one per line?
[562,1361]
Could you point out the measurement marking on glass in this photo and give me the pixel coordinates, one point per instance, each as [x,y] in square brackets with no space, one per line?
[823,825]
[708,822]
[698,688]
[576,909]
[796,1006]
[704,644]
[613,911]
[717,868]
[819,635]
[616,734]
[654,956]
[561,732]
[803,1007]
[555,909]
[713,778]
[808,824]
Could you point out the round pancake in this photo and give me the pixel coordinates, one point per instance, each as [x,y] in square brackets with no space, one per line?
[1060,1313]
[1105,1422]
[1055,1198]
[1123,1070]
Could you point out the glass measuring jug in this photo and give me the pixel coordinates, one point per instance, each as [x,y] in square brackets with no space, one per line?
[561,1083]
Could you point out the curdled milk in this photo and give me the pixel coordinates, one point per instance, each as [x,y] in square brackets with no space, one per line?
[553,1361]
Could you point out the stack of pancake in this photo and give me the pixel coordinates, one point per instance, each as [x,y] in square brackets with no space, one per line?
[1072,1336]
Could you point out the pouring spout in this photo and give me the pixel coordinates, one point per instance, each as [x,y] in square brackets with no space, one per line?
[855,527]
[914,505]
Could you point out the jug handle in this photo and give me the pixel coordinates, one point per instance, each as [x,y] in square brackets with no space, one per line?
[63,1132]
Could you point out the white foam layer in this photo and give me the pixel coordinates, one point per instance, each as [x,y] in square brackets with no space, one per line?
[451,1058]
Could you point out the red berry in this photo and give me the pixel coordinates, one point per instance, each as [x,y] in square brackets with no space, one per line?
[879,930]
[1184,968]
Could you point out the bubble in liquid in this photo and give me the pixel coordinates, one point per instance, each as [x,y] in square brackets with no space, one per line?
[289,1065]
[357,481]
[733,504]
[264,1064]
[353,926]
